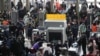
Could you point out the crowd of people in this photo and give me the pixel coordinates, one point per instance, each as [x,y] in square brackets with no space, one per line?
[78,30]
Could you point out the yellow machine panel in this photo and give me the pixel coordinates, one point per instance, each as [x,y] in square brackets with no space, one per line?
[55,17]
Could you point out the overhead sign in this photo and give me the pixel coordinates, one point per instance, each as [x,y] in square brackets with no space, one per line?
[55,17]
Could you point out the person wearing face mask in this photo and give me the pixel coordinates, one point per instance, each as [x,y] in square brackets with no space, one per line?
[74,29]
[69,35]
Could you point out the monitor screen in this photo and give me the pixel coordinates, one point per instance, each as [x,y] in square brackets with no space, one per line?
[55,36]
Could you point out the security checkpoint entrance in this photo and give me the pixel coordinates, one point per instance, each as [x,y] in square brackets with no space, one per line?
[56,25]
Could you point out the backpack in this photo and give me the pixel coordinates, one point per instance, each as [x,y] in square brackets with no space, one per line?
[47,54]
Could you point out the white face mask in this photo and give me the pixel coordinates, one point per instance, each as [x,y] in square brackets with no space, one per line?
[73,22]
[68,24]
[73,4]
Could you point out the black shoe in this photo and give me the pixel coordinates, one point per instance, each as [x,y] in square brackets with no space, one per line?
[83,55]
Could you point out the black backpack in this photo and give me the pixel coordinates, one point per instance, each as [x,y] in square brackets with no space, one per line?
[47,54]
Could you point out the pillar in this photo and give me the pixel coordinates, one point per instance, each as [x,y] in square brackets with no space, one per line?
[52,5]
[95,2]
[77,10]
[27,4]
[14,1]
[1,6]
[9,5]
